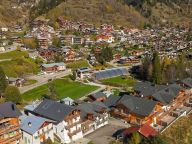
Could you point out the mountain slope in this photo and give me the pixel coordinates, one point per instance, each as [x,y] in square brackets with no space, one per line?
[96,11]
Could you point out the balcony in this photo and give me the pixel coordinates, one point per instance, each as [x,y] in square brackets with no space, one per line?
[73,124]
[8,128]
[10,139]
[74,132]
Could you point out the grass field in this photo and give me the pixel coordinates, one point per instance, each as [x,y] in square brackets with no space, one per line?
[64,88]
[119,81]
[13,54]
[17,68]
[78,64]
[180,132]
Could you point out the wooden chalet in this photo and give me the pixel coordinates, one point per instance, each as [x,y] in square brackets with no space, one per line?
[9,124]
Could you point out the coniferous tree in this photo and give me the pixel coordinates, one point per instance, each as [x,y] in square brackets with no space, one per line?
[52,92]
[3,81]
[156,72]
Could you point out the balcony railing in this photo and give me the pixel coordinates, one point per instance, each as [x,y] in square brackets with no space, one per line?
[74,132]
[8,129]
[73,124]
[10,139]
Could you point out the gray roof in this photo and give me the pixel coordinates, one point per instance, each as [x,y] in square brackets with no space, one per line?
[147,88]
[108,73]
[53,110]
[31,124]
[53,64]
[93,108]
[98,95]
[111,100]
[136,105]
[166,95]
[9,110]
[187,82]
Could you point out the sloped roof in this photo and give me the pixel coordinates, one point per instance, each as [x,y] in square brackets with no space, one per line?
[111,100]
[98,95]
[187,82]
[9,110]
[53,110]
[136,105]
[166,95]
[31,124]
[91,108]
[147,88]
[53,64]
[147,131]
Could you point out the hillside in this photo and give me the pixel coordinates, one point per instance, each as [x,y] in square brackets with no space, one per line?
[94,11]
[172,12]
[133,13]
[11,12]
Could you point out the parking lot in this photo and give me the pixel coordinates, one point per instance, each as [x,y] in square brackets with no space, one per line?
[104,135]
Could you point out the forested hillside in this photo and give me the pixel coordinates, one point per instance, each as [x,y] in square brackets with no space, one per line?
[133,13]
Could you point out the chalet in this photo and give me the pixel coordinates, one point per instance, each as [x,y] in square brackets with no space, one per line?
[43,42]
[105,38]
[128,60]
[99,96]
[36,130]
[135,110]
[83,72]
[72,39]
[9,124]
[94,115]
[17,39]
[77,40]
[67,121]
[53,67]
[46,53]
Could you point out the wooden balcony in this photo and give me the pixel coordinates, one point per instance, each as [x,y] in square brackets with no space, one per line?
[73,124]
[9,128]
[11,139]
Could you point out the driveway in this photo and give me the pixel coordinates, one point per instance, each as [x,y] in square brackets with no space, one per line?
[104,135]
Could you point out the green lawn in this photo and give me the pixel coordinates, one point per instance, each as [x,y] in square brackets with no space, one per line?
[119,81]
[78,64]
[30,82]
[19,67]
[64,88]
[13,54]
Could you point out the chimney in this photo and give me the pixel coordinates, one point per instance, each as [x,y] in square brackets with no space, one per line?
[13,107]
[29,124]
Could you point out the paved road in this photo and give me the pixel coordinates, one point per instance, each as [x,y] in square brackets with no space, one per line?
[43,79]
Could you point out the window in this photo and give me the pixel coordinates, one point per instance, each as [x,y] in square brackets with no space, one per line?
[25,140]
[29,141]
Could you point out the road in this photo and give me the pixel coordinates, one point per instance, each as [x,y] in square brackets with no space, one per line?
[43,79]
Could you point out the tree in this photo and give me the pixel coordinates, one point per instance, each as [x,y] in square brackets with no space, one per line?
[3,81]
[52,91]
[56,42]
[49,141]
[12,93]
[145,69]
[156,72]
[73,76]
[135,138]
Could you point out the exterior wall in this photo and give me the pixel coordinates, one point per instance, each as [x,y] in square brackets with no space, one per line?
[40,136]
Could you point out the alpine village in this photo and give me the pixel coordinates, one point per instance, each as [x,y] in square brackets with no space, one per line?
[95,72]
